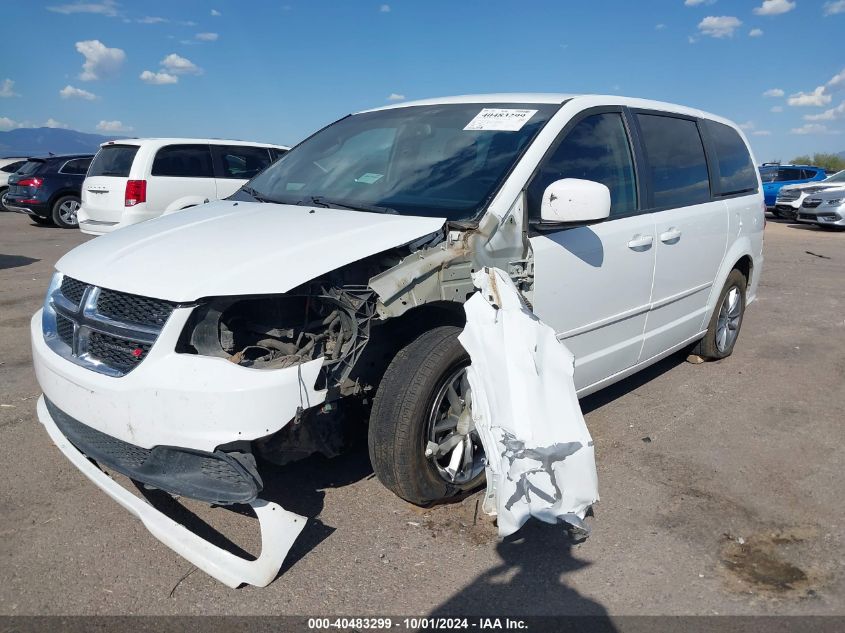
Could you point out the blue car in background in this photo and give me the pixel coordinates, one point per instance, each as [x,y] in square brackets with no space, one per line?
[775,176]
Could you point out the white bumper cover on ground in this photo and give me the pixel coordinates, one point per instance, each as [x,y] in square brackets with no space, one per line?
[279,528]
[540,457]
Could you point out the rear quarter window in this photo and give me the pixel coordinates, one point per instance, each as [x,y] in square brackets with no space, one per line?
[676,161]
[185,161]
[113,160]
[75,167]
[734,167]
[241,162]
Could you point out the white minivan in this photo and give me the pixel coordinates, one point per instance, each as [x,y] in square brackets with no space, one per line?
[133,180]
[189,351]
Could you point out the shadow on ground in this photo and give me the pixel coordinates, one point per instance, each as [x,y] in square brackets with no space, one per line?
[529,581]
[15,261]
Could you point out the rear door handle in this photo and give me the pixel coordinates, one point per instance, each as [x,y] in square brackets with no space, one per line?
[640,241]
[670,235]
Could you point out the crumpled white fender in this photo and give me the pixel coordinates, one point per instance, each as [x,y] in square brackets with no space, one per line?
[540,457]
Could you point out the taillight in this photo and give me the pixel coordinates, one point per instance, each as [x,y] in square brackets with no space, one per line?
[136,192]
[30,182]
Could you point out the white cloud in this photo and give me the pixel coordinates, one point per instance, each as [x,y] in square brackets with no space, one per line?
[832,8]
[774,92]
[51,122]
[215,13]
[113,126]
[692,39]
[813,128]
[816,98]
[774,7]
[659,27]
[719,26]
[761,133]
[7,89]
[207,37]
[385,8]
[755,33]
[7,124]
[837,79]
[158,79]
[152,20]
[69,92]
[747,126]
[180,65]
[106,7]
[100,60]
[828,115]
[695,3]
[395,97]
[776,109]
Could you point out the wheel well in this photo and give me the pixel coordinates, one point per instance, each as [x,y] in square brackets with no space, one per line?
[60,194]
[746,267]
[388,337]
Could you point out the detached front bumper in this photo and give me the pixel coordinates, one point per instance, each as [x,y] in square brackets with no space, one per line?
[155,422]
[279,528]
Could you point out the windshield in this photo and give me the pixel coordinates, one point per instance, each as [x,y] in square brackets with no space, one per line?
[437,161]
[837,177]
[113,160]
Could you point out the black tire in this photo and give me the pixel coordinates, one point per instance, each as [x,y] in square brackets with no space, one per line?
[708,347]
[41,220]
[60,218]
[399,417]
[3,191]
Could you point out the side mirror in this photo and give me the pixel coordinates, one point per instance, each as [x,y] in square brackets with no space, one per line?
[574,200]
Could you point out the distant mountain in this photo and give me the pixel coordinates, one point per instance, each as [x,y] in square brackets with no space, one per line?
[36,141]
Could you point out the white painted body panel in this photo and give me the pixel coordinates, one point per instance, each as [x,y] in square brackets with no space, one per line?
[236,248]
[594,290]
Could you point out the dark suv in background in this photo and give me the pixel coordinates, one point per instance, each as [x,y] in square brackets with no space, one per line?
[48,189]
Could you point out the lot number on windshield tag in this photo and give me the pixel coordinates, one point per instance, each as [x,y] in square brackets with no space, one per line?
[502,119]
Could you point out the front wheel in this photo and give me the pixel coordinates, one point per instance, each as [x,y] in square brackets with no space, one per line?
[64,212]
[422,441]
[723,329]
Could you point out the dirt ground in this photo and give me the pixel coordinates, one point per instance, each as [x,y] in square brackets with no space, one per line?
[721,489]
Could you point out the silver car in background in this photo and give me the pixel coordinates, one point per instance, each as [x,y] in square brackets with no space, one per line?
[791,197]
[825,209]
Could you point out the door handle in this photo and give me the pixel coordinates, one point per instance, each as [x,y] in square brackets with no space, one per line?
[640,241]
[671,235]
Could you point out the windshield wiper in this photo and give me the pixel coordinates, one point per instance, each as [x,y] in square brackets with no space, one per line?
[258,196]
[324,202]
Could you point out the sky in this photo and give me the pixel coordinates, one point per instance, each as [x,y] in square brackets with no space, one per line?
[278,71]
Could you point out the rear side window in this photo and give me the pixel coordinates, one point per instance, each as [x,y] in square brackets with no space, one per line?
[30,167]
[76,167]
[676,161]
[113,160]
[785,174]
[239,161]
[736,173]
[595,149]
[186,161]
[808,174]
[11,168]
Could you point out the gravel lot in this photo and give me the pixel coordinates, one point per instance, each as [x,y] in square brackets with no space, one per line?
[721,489]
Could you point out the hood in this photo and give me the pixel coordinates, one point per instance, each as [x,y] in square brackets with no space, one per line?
[234,248]
[816,185]
[829,193]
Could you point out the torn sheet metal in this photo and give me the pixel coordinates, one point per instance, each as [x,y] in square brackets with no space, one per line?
[540,457]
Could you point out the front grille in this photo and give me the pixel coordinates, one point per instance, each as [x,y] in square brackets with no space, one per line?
[118,353]
[121,306]
[64,328]
[73,289]
[812,203]
[104,330]
[216,477]
[806,216]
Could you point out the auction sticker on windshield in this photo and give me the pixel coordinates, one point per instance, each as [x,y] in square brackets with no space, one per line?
[501,119]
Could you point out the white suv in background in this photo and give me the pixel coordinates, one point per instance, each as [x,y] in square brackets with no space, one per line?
[134,180]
